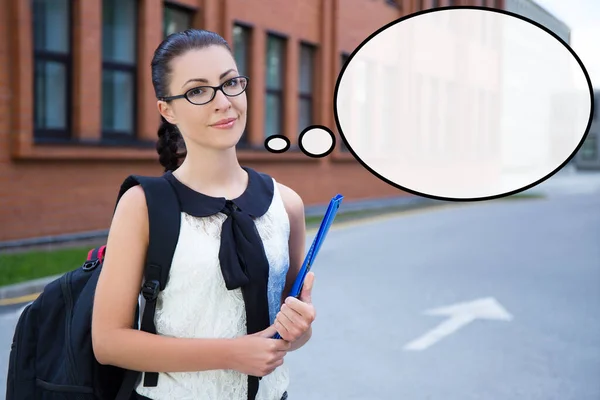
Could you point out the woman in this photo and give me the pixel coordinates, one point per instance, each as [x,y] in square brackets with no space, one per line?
[203,349]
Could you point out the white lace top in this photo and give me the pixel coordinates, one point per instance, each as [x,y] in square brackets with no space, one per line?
[196,304]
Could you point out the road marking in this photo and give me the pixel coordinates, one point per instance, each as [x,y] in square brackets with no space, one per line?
[460,314]
[18,300]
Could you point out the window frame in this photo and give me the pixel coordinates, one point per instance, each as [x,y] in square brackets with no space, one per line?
[280,93]
[45,135]
[303,96]
[177,7]
[115,136]
[245,140]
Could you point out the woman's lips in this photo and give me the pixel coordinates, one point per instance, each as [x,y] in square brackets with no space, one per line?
[225,124]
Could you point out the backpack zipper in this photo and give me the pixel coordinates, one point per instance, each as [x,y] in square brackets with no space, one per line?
[65,284]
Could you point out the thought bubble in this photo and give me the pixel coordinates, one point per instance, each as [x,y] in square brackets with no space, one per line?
[463,103]
[277,144]
[315,141]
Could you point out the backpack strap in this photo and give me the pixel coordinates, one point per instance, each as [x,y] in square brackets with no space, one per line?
[164,225]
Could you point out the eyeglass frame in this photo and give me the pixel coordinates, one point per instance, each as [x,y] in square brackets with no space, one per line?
[215,88]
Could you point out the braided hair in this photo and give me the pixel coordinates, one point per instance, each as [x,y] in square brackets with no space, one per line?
[169,145]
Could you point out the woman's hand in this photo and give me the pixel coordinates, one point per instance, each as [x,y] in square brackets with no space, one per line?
[297,315]
[258,354]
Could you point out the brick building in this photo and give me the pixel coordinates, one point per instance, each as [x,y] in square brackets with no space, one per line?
[78,112]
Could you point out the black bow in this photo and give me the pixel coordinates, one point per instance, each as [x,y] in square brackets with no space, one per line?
[244,265]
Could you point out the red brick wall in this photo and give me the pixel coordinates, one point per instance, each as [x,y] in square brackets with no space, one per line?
[52,190]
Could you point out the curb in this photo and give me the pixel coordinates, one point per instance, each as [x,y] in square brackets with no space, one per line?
[349,206]
[398,204]
[25,288]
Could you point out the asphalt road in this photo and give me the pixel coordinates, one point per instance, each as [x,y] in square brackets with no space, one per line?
[535,333]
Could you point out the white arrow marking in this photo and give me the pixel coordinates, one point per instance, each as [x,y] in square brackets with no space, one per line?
[460,314]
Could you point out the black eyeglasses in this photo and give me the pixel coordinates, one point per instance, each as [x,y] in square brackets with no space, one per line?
[204,94]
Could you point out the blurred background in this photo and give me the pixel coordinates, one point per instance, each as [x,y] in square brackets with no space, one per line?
[512,284]
[79,112]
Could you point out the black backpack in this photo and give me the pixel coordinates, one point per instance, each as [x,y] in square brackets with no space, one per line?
[51,355]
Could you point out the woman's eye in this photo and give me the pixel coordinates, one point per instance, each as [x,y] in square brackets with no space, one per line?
[232,82]
[196,92]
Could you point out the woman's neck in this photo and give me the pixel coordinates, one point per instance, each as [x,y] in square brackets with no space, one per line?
[216,173]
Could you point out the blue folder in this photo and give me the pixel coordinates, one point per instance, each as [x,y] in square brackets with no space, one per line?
[326,222]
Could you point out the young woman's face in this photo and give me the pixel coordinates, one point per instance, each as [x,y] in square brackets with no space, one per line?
[218,124]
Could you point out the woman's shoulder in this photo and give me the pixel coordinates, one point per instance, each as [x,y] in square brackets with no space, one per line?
[292,201]
[134,199]
[132,208]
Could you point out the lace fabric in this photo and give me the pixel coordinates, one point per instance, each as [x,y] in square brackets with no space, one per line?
[196,304]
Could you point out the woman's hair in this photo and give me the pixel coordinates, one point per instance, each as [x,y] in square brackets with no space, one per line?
[170,145]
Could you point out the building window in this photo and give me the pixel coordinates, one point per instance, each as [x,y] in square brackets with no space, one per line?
[176,19]
[119,49]
[305,101]
[344,103]
[52,68]
[275,62]
[589,148]
[344,59]
[241,52]
[241,48]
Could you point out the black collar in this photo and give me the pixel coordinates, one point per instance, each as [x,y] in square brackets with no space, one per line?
[255,200]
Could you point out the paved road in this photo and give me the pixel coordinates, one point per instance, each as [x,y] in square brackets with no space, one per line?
[536,261]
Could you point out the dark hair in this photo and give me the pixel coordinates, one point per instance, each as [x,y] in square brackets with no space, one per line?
[170,145]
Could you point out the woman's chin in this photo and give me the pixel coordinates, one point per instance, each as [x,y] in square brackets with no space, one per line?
[227,141]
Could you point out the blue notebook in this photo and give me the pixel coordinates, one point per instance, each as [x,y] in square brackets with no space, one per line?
[326,222]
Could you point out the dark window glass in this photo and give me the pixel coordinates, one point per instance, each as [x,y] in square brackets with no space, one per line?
[241,52]
[176,19]
[52,68]
[344,103]
[119,54]
[275,58]
[305,101]
[117,101]
[589,148]
[241,48]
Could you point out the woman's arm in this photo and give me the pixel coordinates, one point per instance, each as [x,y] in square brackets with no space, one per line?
[114,340]
[294,206]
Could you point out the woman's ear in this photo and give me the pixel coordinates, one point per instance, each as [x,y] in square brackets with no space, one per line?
[166,111]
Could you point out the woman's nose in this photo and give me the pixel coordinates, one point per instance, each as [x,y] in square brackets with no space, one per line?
[221,101]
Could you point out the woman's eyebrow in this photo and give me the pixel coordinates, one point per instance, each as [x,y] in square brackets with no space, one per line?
[224,74]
